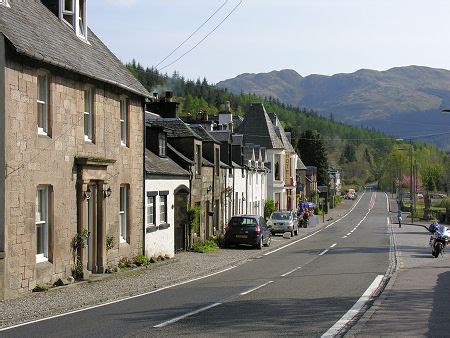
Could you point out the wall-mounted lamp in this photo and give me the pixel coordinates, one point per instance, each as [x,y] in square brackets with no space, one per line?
[107,192]
[87,194]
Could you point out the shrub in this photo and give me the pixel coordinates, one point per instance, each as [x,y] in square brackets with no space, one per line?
[269,208]
[141,260]
[205,246]
[125,262]
[194,218]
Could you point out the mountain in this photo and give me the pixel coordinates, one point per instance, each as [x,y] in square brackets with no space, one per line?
[402,101]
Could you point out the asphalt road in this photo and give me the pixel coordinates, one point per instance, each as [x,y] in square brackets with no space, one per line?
[301,289]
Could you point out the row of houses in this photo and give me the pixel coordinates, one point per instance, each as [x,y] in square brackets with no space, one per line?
[90,156]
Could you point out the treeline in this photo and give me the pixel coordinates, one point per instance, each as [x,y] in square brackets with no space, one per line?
[359,151]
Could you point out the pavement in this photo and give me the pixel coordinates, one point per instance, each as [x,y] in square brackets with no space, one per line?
[416,300]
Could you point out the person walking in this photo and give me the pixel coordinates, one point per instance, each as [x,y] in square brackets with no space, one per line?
[399,217]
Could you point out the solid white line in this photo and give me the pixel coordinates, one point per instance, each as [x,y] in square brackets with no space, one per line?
[388,221]
[334,330]
[387,201]
[323,252]
[176,319]
[118,300]
[254,289]
[333,245]
[288,273]
[316,232]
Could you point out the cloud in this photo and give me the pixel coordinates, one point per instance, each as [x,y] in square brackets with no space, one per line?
[122,3]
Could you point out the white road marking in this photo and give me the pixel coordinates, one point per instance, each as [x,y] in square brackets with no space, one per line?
[333,245]
[254,289]
[118,300]
[289,272]
[316,232]
[176,319]
[388,221]
[334,330]
[349,234]
[387,201]
[344,236]
[324,252]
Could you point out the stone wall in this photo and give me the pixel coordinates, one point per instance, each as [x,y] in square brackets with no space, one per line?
[34,160]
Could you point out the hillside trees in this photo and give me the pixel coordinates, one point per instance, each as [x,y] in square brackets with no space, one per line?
[313,153]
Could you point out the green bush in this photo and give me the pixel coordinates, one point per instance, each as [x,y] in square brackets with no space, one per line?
[269,208]
[205,246]
[194,219]
[141,260]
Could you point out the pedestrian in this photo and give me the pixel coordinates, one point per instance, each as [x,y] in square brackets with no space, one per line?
[399,216]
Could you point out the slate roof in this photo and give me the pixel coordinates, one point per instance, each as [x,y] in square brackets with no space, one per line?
[258,128]
[178,128]
[34,31]
[162,166]
[179,155]
[282,135]
[203,133]
[300,164]
[206,163]
[222,136]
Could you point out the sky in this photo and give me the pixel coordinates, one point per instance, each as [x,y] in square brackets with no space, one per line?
[310,36]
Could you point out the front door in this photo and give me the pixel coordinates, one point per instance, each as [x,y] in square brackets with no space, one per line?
[181,221]
[92,227]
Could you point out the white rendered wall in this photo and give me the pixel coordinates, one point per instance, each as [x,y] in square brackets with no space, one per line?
[162,242]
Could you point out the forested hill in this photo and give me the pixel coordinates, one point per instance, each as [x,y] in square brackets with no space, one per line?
[401,101]
[358,151]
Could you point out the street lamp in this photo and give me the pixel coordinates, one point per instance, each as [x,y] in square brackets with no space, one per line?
[412,194]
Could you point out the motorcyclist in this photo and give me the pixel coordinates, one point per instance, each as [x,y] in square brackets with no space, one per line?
[432,228]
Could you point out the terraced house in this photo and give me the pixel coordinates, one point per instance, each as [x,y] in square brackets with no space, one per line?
[71,143]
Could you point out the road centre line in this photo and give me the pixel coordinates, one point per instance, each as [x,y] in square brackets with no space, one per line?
[349,234]
[176,319]
[388,221]
[324,252]
[344,236]
[289,272]
[333,245]
[118,300]
[316,232]
[334,330]
[256,288]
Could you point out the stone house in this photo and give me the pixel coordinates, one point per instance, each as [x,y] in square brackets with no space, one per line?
[311,182]
[166,198]
[301,180]
[71,143]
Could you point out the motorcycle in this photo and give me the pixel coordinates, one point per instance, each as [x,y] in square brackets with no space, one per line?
[439,238]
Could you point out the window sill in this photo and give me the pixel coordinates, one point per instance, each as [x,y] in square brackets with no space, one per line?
[123,144]
[164,226]
[122,240]
[43,134]
[88,140]
[151,228]
[41,259]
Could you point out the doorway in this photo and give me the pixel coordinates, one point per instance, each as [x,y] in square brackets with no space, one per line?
[181,228]
[92,227]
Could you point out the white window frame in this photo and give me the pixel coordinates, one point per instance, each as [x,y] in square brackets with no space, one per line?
[89,115]
[162,144]
[151,211]
[77,17]
[42,220]
[43,129]
[124,107]
[123,213]
[163,217]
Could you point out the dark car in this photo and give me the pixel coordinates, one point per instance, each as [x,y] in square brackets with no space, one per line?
[247,230]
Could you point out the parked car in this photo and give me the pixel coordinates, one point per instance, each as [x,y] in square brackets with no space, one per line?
[247,230]
[283,221]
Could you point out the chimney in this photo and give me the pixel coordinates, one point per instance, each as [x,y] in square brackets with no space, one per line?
[155,96]
[163,107]
[169,96]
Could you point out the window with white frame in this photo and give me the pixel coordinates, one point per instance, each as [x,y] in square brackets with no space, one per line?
[42,103]
[89,114]
[42,223]
[162,144]
[123,213]
[163,208]
[73,13]
[124,121]
[151,211]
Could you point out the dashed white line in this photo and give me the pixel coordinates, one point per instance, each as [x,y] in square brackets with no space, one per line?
[324,252]
[344,236]
[176,319]
[388,221]
[334,330]
[349,234]
[333,245]
[254,289]
[289,272]
[118,300]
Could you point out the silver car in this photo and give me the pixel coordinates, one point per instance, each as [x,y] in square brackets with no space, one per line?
[283,221]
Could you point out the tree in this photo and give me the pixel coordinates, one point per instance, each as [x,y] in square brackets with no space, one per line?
[349,153]
[431,175]
[269,208]
[313,153]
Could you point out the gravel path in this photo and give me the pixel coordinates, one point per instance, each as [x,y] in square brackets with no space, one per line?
[184,266]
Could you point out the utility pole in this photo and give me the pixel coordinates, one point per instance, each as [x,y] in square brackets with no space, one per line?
[411,189]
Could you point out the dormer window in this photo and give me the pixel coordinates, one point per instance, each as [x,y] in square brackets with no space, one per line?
[73,13]
[162,144]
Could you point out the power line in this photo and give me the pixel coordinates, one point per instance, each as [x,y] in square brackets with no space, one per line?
[193,33]
[205,37]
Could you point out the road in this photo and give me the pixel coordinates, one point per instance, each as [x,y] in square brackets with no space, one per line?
[303,288]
